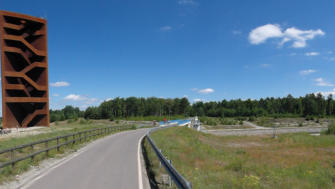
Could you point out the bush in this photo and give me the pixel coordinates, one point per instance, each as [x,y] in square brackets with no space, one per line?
[309,118]
[252,118]
[331,129]
[83,121]
[70,121]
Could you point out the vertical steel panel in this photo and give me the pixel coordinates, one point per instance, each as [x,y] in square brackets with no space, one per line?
[24,70]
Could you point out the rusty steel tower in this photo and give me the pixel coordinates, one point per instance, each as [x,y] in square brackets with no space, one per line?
[24,70]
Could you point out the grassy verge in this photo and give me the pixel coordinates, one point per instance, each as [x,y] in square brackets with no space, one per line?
[158,177]
[290,161]
[8,173]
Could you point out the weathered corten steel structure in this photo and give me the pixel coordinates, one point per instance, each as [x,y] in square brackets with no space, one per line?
[24,70]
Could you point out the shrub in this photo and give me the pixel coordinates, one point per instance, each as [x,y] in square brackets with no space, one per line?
[252,118]
[70,121]
[331,129]
[82,122]
[309,118]
[236,165]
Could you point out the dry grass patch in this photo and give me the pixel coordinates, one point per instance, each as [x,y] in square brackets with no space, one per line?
[289,161]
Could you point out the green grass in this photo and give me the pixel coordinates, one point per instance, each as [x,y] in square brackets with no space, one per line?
[290,161]
[331,129]
[214,121]
[8,173]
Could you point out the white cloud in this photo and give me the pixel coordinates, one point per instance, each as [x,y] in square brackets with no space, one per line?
[206,91]
[198,100]
[187,2]
[185,96]
[60,84]
[203,91]
[307,72]
[165,28]
[322,83]
[299,37]
[261,34]
[312,53]
[81,100]
[327,93]
[74,97]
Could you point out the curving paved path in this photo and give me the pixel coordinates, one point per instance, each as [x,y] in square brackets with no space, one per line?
[111,162]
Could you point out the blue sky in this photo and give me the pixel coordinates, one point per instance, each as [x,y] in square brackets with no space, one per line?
[205,50]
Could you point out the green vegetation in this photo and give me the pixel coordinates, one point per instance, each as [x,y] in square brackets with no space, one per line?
[223,123]
[310,106]
[290,161]
[331,129]
[63,128]
[292,122]
[213,121]
[152,164]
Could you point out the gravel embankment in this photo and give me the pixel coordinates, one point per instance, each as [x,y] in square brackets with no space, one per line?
[263,131]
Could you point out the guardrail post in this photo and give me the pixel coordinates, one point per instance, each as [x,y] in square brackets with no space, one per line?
[170,180]
[74,139]
[160,163]
[189,184]
[66,140]
[12,156]
[80,137]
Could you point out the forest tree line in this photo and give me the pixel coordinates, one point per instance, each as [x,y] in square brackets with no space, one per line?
[289,106]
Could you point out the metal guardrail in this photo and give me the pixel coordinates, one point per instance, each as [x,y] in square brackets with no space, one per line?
[74,137]
[178,179]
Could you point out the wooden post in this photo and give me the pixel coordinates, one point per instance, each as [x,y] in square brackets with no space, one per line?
[46,146]
[58,144]
[12,157]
